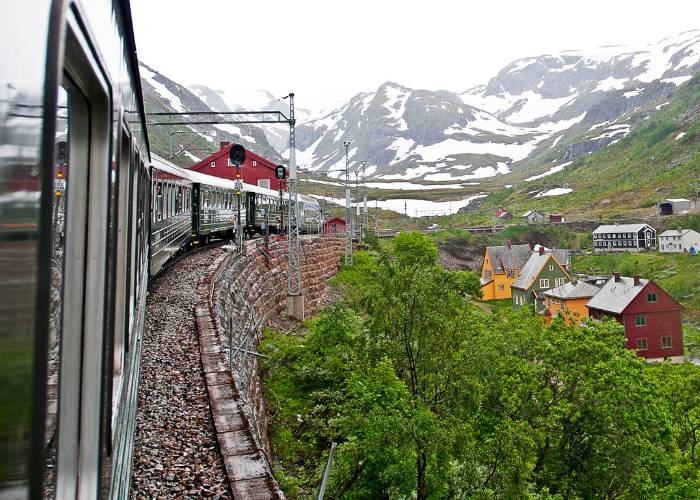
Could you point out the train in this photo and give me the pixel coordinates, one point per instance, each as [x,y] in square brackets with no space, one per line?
[87,215]
[192,209]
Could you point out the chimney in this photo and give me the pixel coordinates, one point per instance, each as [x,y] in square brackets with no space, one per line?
[541,250]
[574,280]
[224,145]
[509,243]
[617,277]
[636,279]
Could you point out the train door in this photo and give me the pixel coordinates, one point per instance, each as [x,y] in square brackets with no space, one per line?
[83,271]
[121,334]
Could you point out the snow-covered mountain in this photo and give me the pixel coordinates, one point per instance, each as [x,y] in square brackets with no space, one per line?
[192,143]
[567,104]
[562,86]
[409,134]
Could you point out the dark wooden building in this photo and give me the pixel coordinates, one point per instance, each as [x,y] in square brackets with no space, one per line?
[650,316]
[624,238]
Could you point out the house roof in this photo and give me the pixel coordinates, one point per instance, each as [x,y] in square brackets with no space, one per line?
[530,212]
[674,200]
[615,296]
[620,228]
[578,290]
[531,269]
[503,258]
[677,232]
[562,255]
[225,151]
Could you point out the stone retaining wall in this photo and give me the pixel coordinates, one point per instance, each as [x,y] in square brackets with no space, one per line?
[239,294]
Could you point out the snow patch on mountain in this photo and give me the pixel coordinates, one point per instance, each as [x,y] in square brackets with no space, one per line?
[554,192]
[551,171]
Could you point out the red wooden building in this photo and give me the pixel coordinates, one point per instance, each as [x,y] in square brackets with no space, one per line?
[651,317]
[255,170]
[335,225]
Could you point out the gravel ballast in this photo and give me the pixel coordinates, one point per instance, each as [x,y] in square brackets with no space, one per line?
[175,447]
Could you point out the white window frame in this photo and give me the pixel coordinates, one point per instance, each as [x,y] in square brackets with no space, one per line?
[544,283]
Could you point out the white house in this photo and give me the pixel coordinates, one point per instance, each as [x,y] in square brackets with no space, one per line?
[533,216]
[679,241]
[624,238]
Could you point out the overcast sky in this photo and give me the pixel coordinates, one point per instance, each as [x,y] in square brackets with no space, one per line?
[327,51]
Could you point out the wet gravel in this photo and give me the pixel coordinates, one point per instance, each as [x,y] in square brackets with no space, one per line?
[176,454]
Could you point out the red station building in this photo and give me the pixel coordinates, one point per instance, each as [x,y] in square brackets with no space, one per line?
[651,317]
[255,170]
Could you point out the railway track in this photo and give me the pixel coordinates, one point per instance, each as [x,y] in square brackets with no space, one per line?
[175,450]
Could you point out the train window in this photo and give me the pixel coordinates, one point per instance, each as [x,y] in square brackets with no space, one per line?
[169,201]
[159,201]
[58,226]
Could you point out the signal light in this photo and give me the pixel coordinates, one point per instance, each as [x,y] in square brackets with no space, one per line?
[237,155]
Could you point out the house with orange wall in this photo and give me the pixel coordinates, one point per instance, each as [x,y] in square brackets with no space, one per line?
[570,299]
[501,268]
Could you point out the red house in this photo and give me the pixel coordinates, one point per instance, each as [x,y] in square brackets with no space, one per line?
[652,319]
[255,170]
[334,226]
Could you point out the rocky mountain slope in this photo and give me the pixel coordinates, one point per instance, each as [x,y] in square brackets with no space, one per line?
[192,143]
[659,158]
[571,103]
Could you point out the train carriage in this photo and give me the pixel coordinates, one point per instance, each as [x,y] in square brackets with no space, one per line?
[74,253]
[215,203]
[171,214]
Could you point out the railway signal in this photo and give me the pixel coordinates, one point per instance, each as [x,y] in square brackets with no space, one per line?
[237,155]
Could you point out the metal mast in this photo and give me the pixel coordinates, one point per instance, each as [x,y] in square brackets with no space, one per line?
[364,193]
[358,219]
[348,209]
[293,240]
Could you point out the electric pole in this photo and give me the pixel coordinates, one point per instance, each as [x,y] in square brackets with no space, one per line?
[295,299]
[364,191]
[358,225]
[348,209]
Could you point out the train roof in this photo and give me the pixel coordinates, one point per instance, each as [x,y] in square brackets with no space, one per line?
[162,164]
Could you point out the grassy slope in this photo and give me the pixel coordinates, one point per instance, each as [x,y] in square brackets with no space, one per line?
[678,274]
[632,175]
